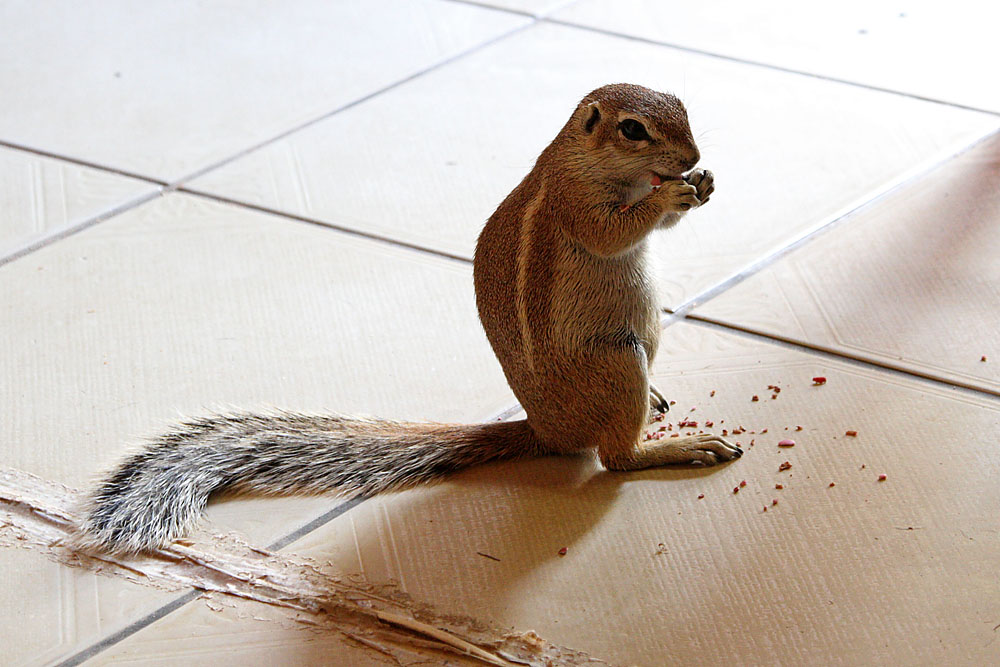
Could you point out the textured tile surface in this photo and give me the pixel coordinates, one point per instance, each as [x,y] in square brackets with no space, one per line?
[163,90]
[787,150]
[912,281]
[39,196]
[844,574]
[183,305]
[936,50]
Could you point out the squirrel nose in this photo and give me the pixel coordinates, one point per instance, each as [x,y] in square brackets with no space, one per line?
[692,158]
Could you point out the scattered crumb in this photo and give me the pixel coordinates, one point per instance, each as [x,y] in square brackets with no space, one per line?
[882,478]
[798,428]
[779,486]
[700,496]
[687,424]
[982,358]
[819,380]
[725,431]
[784,466]
[562,552]
[712,393]
[832,484]
[853,434]
[736,489]
[755,398]
[661,549]
[786,443]
[673,402]
[764,431]
[774,502]
[743,483]
[709,424]
[774,396]
[765,508]
[862,467]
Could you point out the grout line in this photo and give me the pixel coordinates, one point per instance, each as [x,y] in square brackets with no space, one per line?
[80,162]
[764,65]
[329,225]
[175,604]
[836,355]
[353,103]
[73,228]
[832,221]
[168,187]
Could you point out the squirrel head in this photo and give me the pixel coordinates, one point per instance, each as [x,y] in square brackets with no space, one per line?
[629,133]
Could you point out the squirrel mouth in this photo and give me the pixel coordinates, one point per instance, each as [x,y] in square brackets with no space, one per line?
[658,179]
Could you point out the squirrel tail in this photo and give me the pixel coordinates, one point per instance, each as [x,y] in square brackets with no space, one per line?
[156,494]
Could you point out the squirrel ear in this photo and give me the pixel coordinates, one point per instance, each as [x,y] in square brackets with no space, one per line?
[591,116]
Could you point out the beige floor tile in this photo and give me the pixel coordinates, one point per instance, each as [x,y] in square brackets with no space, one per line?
[937,50]
[240,633]
[184,305]
[163,90]
[40,196]
[911,281]
[48,611]
[863,572]
[788,151]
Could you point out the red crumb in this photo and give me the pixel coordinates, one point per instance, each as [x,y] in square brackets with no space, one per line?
[862,466]
[725,431]
[751,442]
[562,552]
[673,402]
[676,435]
[798,428]
[774,502]
[982,358]
[712,393]
[692,409]
[743,483]
[709,424]
[755,398]
[882,478]
[784,466]
[736,489]
[765,508]
[658,418]
[764,431]
[687,424]
[853,434]
[779,487]
[774,396]
[700,496]
[819,380]
[786,443]
[832,484]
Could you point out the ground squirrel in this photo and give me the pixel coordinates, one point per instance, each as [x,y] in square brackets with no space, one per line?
[567,303]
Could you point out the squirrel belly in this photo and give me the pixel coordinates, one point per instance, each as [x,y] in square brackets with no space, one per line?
[158,493]
[567,303]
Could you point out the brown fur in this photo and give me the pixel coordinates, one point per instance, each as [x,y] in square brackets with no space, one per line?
[566,299]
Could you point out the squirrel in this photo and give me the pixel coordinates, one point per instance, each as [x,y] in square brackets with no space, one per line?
[567,302]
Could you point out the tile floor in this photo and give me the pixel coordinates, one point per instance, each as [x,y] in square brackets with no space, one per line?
[208,206]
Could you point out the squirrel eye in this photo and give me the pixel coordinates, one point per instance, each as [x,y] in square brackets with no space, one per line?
[634,130]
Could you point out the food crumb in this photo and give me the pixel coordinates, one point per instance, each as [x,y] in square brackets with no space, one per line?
[765,508]
[700,496]
[982,358]
[882,478]
[779,487]
[736,489]
[755,398]
[673,402]
[832,484]
[562,552]
[784,466]
[743,483]
[774,502]
[786,443]
[798,428]
[853,434]
[709,424]
[712,393]
[774,396]
[764,431]
[819,380]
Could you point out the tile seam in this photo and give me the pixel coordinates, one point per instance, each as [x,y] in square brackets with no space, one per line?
[832,222]
[107,642]
[764,65]
[830,353]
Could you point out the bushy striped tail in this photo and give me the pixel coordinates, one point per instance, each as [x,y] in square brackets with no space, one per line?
[157,494]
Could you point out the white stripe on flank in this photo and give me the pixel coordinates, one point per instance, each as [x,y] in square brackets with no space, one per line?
[526,239]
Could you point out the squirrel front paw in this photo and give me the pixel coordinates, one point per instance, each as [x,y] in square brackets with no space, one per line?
[677,196]
[704,183]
